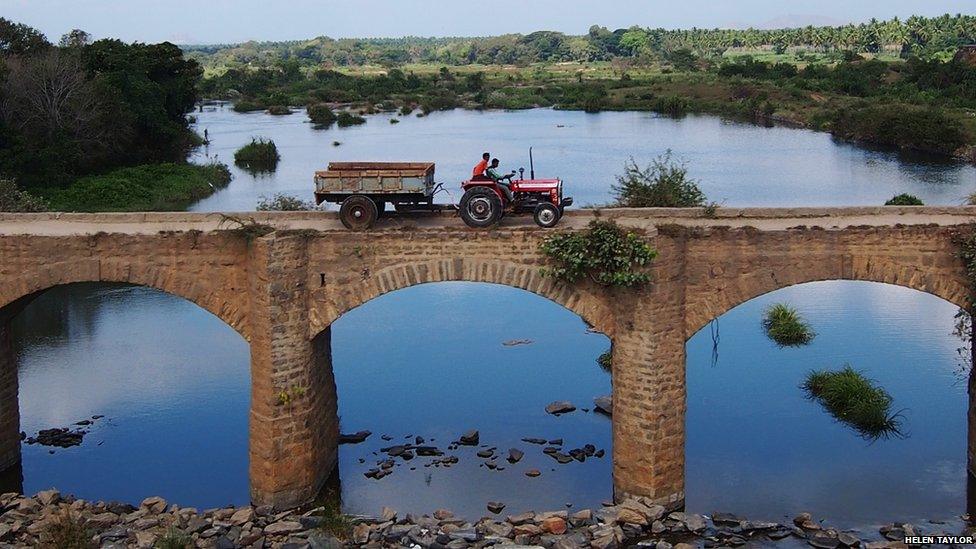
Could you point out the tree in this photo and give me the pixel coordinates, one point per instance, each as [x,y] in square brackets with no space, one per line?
[75,39]
[19,39]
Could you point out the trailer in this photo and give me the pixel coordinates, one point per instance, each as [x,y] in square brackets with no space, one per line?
[363,189]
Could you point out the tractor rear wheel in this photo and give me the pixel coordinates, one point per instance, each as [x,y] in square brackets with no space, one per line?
[358,212]
[546,215]
[480,207]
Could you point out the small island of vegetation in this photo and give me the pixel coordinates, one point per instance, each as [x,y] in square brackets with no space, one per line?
[855,400]
[784,325]
[260,155]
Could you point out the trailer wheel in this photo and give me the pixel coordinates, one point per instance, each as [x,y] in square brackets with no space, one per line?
[480,207]
[358,212]
[546,215]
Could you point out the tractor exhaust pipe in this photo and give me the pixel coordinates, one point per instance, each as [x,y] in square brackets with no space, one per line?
[531,165]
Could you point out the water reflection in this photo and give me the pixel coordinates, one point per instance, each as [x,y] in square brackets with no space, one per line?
[757,446]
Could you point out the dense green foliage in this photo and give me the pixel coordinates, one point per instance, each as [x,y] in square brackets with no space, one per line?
[260,155]
[284,203]
[141,188]
[320,114]
[84,108]
[904,199]
[913,36]
[602,253]
[855,400]
[605,360]
[12,199]
[784,325]
[347,118]
[664,183]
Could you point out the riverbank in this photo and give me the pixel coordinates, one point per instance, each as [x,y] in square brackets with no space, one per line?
[50,519]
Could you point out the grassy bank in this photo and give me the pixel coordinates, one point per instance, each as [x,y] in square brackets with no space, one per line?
[154,187]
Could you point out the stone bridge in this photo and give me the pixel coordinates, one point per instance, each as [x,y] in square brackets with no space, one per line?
[283,290]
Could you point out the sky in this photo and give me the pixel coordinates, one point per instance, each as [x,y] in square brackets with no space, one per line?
[232,21]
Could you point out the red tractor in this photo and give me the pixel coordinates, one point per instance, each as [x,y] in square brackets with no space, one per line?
[484,202]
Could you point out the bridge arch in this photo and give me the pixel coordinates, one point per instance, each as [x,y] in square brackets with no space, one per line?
[173,281]
[725,295]
[587,302]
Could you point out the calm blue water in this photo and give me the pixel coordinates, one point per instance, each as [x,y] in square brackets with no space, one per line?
[172,380]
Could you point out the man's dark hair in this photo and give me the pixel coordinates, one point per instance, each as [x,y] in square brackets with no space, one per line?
[494,161]
[486,156]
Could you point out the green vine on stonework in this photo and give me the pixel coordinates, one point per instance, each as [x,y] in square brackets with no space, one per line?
[965,239]
[603,253]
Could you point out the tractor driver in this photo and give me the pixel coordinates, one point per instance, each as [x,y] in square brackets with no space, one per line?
[500,179]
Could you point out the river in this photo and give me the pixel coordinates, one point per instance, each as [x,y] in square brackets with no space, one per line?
[172,380]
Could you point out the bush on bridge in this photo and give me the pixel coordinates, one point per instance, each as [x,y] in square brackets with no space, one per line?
[904,199]
[785,326]
[284,203]
[855,400]
[602,253]
[662,184]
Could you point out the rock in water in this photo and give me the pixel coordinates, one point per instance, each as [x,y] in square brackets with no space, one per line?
[470,438]
[531,440]
[514,342]
[514,455]
[532,473]
[354,438]
[604,404]
[560,407]
[495,506]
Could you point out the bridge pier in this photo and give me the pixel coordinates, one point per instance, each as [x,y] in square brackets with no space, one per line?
[9,404]
[649,401]
[294,419]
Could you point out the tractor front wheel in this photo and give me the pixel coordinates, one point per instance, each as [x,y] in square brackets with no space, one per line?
[480,207]
[546,215]
[358,212]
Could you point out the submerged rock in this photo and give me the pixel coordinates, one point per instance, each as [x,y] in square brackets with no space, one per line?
[470,438]
[560,407]
[604,404]
[495,506]
[354,438]
[515,455]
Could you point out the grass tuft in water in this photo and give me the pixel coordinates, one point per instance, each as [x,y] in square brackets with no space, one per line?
[854,400]
[785,326]
[260,155]
[606,361]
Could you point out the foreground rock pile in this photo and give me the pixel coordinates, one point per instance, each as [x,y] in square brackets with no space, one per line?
[50,520]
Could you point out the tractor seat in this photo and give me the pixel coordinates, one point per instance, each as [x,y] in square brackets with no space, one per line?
[480,177]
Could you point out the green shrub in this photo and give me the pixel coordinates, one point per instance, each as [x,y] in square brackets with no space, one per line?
[321,114]
[855,400]
[173,539]
[785,326]
[904,199]
[66,531]
[905,127]
[334,522]
[602,252]
[279,110]
[153,187]
[406,110]
[12,199]
[260,155]
[284,203]
[605,361]
[662,184]
[347,118]
[672,105]
[245,105]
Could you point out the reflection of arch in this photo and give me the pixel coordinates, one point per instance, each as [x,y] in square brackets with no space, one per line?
[189,286]
[586,303]
[952,288]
